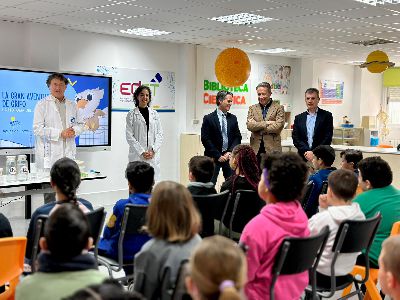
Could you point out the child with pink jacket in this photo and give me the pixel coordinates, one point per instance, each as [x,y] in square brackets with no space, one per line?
[282,182]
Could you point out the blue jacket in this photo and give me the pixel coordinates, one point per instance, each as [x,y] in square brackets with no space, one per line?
[108,245]
[318,178]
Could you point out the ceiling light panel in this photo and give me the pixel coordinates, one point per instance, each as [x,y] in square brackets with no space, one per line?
[141,31]
[275,50]
[242,19]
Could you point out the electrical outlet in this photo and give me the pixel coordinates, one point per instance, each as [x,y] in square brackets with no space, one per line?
[195,121]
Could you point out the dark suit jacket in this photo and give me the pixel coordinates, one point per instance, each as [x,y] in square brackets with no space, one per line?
[323,131]
[211,135]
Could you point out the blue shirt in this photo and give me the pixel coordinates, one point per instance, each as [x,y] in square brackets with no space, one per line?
[219,114]
[311,118]
[108,245]
[318,178]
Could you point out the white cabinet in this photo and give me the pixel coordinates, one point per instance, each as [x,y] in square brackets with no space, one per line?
[348,136]
[190,145]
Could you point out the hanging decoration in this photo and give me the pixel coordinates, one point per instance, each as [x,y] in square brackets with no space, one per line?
[232,67]
[377,62]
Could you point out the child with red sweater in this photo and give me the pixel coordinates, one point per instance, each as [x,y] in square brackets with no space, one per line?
[282,183]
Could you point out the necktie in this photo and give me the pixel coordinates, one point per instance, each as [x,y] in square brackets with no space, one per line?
[224,134]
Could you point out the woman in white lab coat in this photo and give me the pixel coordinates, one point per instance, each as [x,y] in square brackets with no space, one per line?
[143,131]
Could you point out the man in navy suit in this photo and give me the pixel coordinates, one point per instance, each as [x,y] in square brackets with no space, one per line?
[220,134]
[313,127]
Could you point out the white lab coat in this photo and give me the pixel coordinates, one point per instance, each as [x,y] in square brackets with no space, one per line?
[136,136]
[47,127]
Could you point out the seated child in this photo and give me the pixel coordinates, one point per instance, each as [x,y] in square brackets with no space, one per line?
[246,173]
[140,176]
[5,227]
[335,208]
[211,277]
[201,169]
[282,183]
[350,159]
[64,263]
[174,223]
[324,156]
[65,178]
[389,270]
[110,289]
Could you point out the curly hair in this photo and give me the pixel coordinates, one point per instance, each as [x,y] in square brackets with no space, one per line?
[287,175]
[248,166]
[65,174]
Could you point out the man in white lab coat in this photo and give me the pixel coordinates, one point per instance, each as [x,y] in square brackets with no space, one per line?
[55,124]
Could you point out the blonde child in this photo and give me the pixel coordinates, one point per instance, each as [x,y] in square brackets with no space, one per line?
[174,223]
[217,270]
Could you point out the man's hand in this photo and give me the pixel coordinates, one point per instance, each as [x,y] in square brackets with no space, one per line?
[323,201]
[227,155]
[148,154]
[68,133]
[309,155]
[222,159]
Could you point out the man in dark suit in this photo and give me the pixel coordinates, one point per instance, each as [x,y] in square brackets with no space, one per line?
[313,127]
[220,134]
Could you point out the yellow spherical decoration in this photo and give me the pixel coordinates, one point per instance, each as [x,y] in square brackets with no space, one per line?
[377,62]
[232,67]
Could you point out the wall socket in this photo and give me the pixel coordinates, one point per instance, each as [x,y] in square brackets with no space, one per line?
[195,121]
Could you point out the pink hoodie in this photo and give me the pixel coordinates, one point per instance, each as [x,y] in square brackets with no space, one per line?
[263,235]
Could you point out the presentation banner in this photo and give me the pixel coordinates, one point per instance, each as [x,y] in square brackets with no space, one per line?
[125,81]
[241,94]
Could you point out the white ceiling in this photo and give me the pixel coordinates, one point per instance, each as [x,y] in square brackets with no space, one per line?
[319,29]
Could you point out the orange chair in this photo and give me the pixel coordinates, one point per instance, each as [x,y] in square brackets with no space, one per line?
[372,291]
[12,253]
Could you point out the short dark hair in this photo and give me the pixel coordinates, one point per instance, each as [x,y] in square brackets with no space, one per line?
[67,232]
[58,76]
[140,176]
[138,91]
[352,156]
[312,91]
[326,153]
[265,85]
[221,96]
[376,170]
[110,289]
[202,168]
[343,184]
[286,170]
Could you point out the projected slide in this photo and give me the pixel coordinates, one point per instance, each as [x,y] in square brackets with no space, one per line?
[21,90]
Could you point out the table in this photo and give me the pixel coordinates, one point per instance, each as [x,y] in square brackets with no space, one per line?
[34,187]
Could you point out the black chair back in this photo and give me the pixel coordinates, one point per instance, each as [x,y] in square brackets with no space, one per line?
[179,291]
[356,235]
[96,221]
[324,188]
[245,206]
[297,255]
[37,234]
[307,193]
[210,207]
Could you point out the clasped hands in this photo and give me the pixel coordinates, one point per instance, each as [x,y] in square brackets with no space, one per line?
[225,157]
[148,154]
[68,133]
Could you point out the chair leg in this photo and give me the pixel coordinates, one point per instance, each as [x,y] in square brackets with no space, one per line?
[347,290]
[372,291]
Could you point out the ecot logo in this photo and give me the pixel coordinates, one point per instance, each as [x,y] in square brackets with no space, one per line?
[128,88]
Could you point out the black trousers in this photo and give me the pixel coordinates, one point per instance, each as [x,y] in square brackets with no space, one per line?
[226,170]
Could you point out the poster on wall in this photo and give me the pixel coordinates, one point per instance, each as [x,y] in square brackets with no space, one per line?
[125,81]
[241,94]
[276,75]
[331,91]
